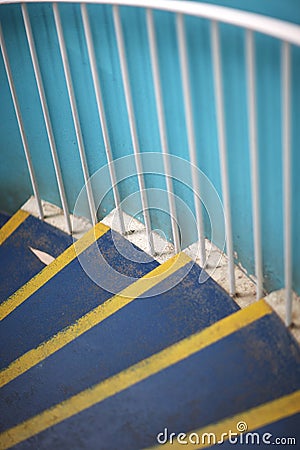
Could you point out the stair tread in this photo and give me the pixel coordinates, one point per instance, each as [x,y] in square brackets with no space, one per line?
[147,326]
[251,366]
[18,263]
[70,294]
[69,335]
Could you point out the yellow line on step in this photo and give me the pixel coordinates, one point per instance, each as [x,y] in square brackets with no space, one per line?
[12,224]
[253,419]
[92,318]
[134,374]
[52,269]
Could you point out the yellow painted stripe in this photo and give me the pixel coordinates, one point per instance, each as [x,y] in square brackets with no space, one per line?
[92,318]
[134,374]
[52,269]
[12,224]
[255,418]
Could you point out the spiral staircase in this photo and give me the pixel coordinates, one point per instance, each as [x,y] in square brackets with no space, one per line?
[104,348]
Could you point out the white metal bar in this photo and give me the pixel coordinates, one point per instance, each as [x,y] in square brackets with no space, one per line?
[162,127]
[43,100]
[287,177]
[267,25]
[21,126]
[255,178]
[76,121]
[184,66]
[132,124]
[101,112]
[223,150]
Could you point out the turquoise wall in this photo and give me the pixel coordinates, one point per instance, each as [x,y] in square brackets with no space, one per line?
[14,181]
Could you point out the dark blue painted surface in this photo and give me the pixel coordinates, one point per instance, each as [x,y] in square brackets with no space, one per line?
[141,329]
[70,294]
[3,218]
[252,366]
[18,263]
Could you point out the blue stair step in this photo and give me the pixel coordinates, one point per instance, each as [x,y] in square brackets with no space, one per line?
[169,311]
[156,306]
[107,349]
[245,367]
[18,263]
[63,292]
[171,306]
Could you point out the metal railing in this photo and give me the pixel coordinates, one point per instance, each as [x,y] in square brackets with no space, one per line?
[287,33]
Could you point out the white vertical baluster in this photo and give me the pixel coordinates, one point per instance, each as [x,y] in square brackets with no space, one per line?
[287,177]
[74,110]
[184,66]
[132,124]
[255,179]
[21,126]
[162,127]
[101,112]
[46,114]
[223,150]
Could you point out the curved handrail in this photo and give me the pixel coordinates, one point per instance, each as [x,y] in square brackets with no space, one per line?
[276,28]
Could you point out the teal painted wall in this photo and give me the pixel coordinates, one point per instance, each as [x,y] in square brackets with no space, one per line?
[14,182]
